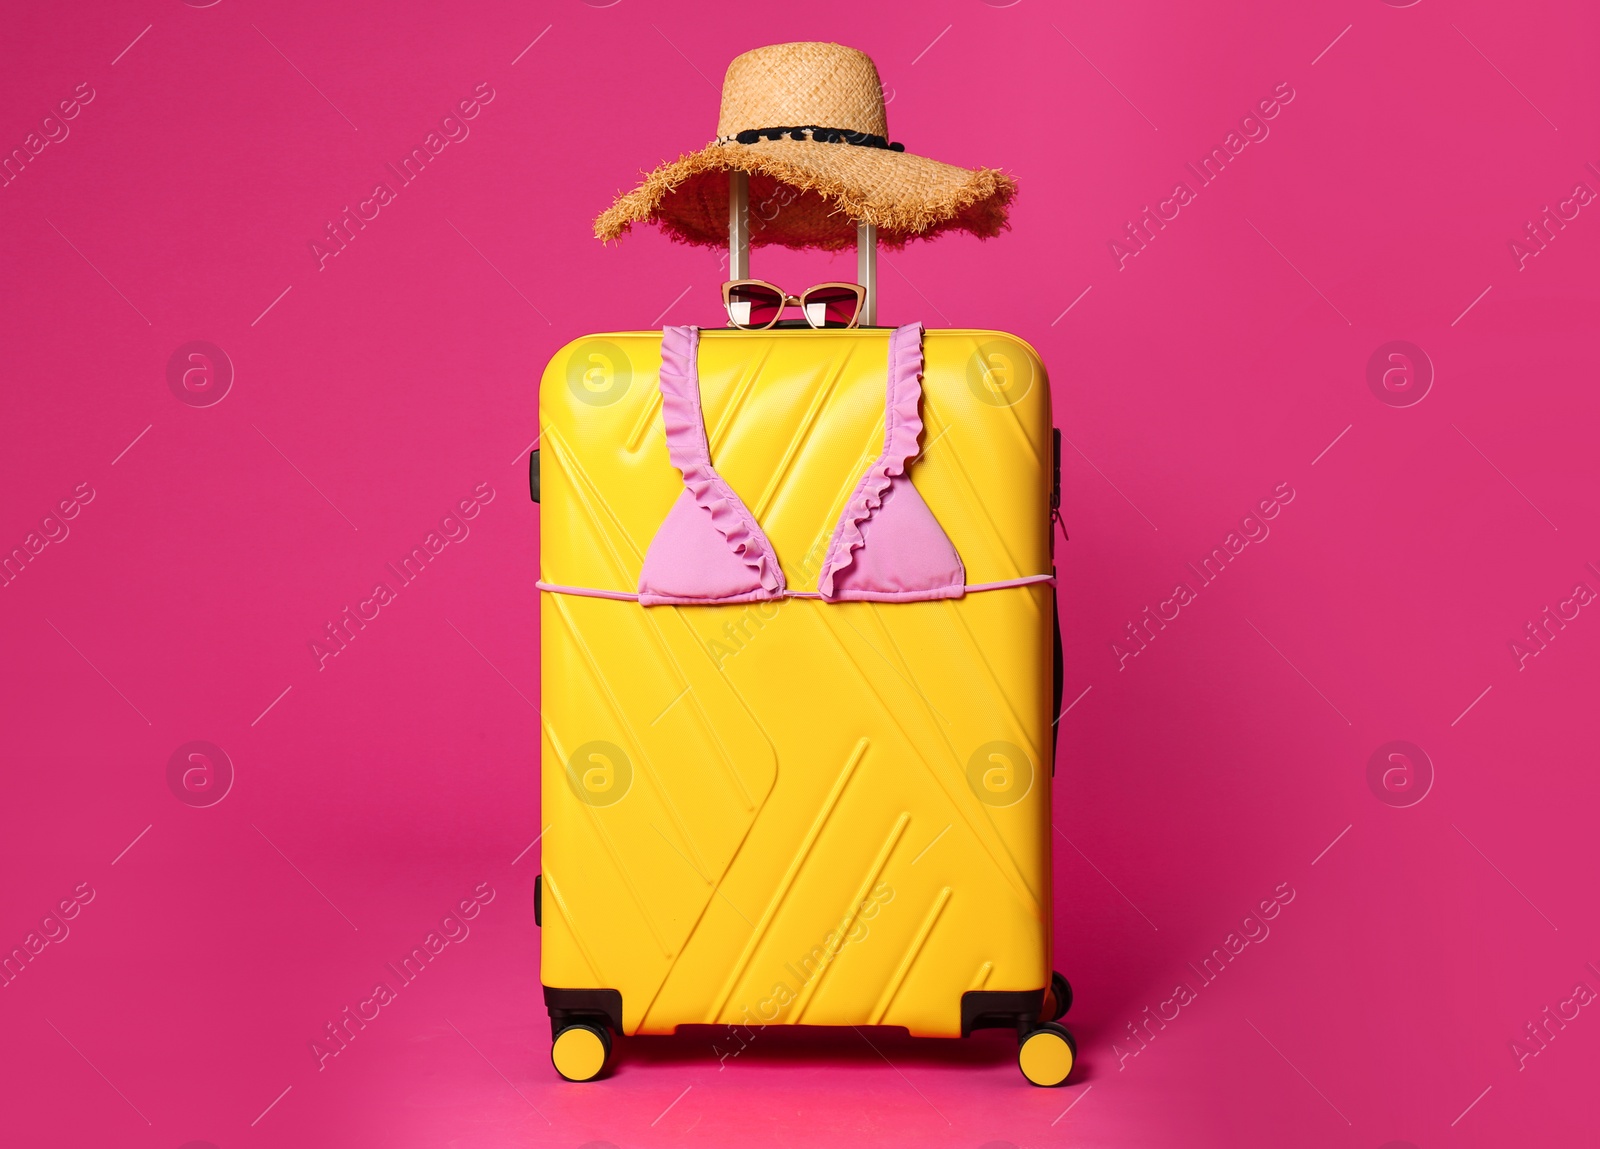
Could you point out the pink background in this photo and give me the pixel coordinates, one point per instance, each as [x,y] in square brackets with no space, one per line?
[1230,756]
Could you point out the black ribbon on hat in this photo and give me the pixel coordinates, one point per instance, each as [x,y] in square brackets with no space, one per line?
[816,134]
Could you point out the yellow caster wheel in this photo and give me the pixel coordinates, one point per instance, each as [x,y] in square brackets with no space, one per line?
[580,1051]
[1047,1055]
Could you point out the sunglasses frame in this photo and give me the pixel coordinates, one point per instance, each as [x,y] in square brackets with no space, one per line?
[859,291]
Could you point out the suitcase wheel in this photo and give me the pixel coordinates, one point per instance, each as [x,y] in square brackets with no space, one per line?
[1047,1055]
[1059,999]
[579,1052]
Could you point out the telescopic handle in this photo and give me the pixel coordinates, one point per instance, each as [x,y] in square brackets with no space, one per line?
[739,246]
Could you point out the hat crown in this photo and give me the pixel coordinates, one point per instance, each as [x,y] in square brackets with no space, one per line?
[789,85]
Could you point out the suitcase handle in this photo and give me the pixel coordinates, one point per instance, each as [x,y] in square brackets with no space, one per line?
[1058,678]
[739,246]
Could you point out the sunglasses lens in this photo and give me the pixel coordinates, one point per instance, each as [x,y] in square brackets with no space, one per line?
[831,306]
[752,305]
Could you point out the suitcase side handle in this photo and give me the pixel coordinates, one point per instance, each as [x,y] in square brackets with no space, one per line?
[739,246]
[1058,677]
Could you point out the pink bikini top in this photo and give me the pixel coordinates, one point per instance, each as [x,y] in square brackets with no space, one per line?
[887,546]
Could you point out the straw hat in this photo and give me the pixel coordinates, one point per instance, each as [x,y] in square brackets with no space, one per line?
[831,167]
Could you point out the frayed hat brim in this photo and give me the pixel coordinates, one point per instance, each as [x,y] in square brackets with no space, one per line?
[805,194]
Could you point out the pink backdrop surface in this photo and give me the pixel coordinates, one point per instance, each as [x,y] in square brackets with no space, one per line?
[186,542]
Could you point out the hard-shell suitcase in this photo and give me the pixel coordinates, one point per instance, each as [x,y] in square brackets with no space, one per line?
[793,809]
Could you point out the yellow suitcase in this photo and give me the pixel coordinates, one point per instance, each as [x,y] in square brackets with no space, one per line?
[797,810]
